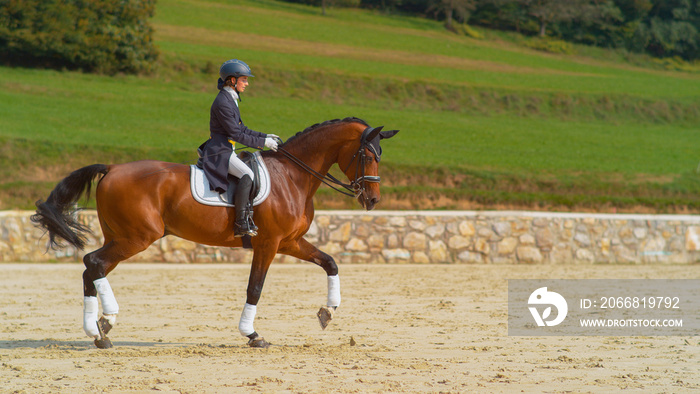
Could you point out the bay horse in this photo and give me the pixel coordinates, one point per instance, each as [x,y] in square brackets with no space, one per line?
[140,202]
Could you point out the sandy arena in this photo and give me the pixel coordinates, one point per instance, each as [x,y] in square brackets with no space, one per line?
[400,328]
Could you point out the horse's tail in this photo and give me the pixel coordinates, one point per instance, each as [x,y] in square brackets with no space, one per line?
[57,214]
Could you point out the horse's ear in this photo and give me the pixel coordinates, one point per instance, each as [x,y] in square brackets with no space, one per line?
[387,134]
[373,133]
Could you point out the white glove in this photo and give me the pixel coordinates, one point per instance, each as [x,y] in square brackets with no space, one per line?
[275,136]
[271,144]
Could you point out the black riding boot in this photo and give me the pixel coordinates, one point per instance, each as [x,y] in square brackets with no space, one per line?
[244,219]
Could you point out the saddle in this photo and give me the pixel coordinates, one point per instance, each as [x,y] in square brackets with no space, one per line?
[199,184]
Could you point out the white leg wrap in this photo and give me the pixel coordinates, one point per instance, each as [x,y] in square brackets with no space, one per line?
[245,326]
[104,290]
[333,291]
[112,319]
[90,312]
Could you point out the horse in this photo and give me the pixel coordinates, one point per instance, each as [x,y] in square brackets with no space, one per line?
[140,202]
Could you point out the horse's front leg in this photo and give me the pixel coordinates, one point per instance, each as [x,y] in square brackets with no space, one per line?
[325,314]
[302,249]
[262,258]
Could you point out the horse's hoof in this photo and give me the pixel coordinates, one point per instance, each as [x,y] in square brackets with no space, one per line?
[325,315]
[259,342]
[104,326]
[103,343]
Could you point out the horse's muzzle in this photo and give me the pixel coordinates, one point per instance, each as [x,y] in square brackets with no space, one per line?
[371,203]
[360,187]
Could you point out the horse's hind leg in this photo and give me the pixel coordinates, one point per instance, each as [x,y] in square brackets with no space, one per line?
[95,284]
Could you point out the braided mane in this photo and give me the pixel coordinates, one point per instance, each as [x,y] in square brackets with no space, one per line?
[317,126]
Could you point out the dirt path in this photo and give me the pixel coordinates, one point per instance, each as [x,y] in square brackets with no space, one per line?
[415,328]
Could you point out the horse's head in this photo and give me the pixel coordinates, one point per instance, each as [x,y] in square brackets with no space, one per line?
[362,168]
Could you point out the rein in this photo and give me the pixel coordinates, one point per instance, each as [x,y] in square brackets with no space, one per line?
[355,188]
[328,179]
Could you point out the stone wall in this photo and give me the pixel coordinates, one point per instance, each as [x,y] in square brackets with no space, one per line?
[478,237]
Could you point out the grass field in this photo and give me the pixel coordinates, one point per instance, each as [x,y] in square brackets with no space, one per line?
[484,123]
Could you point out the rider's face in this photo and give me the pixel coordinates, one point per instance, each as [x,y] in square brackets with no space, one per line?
[242,84]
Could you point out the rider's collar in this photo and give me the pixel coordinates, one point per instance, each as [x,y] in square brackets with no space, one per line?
[233,93]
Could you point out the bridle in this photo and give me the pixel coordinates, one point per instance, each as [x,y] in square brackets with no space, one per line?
[358,186]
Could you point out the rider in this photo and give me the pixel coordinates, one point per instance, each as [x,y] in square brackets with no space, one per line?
[226,129]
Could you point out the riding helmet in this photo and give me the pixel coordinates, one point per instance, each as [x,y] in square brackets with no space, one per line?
[234,68]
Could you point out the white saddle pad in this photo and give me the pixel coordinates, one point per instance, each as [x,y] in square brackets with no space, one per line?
[201,192]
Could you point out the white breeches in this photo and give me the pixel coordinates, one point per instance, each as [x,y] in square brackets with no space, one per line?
[238,168]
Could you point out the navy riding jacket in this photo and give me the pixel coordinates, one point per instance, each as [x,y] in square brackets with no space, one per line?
[226,128]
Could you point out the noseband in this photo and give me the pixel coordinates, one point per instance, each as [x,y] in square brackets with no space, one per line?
[358,186]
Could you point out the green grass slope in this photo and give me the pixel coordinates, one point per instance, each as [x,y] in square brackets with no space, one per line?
[484,123]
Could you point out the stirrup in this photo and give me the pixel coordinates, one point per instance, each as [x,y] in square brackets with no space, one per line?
[252,231]
[252,228]
[241,228]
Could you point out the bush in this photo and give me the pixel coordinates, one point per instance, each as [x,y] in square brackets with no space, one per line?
[330,3]
[550,45]
[466,30]
[105,36]
[678,64]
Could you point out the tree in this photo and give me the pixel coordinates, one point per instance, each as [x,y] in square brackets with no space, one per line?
[384,5]
[600,22]
[524,14]
[94,35]
[325,4]
[459,8]
[552,11]
[502,15]
[671,28]
[633,10]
